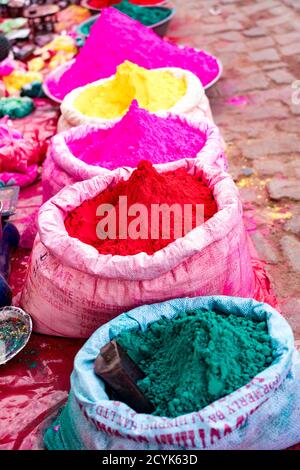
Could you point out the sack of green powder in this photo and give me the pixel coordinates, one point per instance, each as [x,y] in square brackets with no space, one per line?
[73,155]
[262,414]
[194,104]
[71,288]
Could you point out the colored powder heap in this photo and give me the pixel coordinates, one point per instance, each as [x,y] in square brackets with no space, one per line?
[146,2]
[146,16]
[16,108]
[13,334]
[115,38]
[145,186]
[197,358]
[19,78]
[155,139]
[154,90]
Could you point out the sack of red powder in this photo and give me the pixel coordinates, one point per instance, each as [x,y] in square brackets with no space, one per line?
[262,414]
[87,151]
[71,289]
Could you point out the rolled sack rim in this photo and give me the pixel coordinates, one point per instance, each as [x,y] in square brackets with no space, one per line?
[82,257]
[63,157]
[89,390]
[193,96]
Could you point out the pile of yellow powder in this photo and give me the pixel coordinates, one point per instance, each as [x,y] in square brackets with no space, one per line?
[153,89]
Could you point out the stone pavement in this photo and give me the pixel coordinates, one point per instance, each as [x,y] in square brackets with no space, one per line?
[256,104]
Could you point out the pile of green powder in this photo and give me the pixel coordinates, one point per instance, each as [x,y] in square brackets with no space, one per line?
[196,358]
[146,16]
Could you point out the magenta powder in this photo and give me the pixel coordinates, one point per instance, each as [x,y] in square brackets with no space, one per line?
[116,37]
[139,136]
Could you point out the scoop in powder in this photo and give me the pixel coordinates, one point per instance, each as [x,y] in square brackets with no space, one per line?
[139,136]
[196,358]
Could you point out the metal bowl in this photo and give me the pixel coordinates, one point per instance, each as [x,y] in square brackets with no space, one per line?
[15,331]
[159,28]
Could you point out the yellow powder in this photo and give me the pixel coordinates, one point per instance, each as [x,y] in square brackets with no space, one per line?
[154,90]
[18,78]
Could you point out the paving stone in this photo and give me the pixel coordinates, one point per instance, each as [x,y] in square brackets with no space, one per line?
[295,109]
[293,225]
[291,311]
[248,195]
[268,116]
[260,43]
[233,36]
[232,47]
[291,249]
[224,26]
[293,168]
[254,32]
[287,38]
[264,249]
[276,20]
[279,10]
[273,65]
[291,49]
[271,145]
[290,125]
[281,76]
[268,167]
[293,3]
[272,95]
[258,6]
[241,128]
[263,55]
[269,111]
[256,81]
[284,188]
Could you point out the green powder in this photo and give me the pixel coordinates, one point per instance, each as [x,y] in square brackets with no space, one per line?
[196,358]
[15,107]
[146,16]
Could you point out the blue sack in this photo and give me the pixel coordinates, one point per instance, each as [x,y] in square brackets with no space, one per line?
[264,414]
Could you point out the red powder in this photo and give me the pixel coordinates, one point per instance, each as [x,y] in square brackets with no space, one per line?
[145,186]
[103,3]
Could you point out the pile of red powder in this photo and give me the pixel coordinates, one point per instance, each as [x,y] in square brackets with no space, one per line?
[145,186]
[115,38]
[139,136]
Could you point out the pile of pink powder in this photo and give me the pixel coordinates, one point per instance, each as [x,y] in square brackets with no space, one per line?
[139,136]
[116,37]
